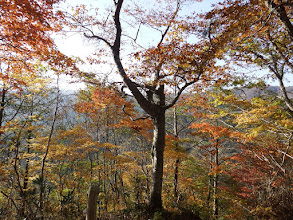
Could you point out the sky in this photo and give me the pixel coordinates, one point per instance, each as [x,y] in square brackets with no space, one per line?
[74,44]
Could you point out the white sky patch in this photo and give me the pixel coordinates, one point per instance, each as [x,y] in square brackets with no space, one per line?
[74,44]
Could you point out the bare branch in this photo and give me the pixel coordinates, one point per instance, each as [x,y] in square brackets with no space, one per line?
[285,154]
[137,32]
[169,25]
[13,202]
[98,38]
[287,149]
[277,164]
[180,92]
[84,26]
[134,40]
[134,119]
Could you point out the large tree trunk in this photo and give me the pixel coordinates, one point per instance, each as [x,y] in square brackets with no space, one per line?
[157,161]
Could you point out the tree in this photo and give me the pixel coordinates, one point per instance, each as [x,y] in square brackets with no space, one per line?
[281,9]
[261,35]
[92,202]
[121,161]
[24,122]
[261,162]
[173,61]
[26,28]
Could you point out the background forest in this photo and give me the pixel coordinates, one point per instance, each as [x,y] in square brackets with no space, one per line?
[198,95]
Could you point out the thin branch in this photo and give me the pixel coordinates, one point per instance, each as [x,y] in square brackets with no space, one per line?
[92,36]
[277,164]
[180,92]
[137,32]
[169,25]
[181,77]
[13,202]
[287,149]
[134,119]
[285,154]
[134,40]
[17,111]
[98,38]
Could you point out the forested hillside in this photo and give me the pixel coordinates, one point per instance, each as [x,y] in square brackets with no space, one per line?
[184,131]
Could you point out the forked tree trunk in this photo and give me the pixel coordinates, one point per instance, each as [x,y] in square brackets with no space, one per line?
[157,161]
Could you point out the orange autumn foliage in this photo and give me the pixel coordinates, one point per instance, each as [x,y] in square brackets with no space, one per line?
[25,36]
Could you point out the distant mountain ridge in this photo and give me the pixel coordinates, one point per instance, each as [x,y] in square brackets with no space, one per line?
[248,93]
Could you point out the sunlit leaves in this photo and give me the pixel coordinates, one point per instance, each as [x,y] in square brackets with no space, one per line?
[25,38]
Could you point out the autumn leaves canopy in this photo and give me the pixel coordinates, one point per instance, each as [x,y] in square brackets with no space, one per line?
[194,65]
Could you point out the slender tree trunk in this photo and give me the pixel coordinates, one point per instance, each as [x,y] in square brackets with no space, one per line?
[176,165]
[123,191]
[210,182]
[99,180]
[26,177]
[157,161]
[43,165]
[2,105]
[216,177]
[176,172]
[285,94]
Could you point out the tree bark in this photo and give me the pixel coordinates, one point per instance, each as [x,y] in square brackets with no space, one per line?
[280,11]
[2,105]
[176,172]
[285,94]
[157,161]
[176,165]
[216,177]
[91,213]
